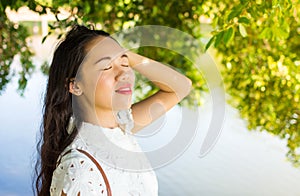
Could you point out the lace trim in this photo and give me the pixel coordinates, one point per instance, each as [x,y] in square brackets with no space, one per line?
[77,174]
[124,119]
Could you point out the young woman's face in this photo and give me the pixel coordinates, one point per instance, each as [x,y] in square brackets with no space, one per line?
[106,77]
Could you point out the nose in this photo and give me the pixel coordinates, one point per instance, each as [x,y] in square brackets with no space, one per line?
[123,76]
[123,69]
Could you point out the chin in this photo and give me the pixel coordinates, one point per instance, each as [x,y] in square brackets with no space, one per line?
[117,108]
[122,104]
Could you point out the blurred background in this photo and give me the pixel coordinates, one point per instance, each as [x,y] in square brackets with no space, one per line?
[255,46]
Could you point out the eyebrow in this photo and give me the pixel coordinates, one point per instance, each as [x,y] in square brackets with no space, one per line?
[109,58]
[103,58]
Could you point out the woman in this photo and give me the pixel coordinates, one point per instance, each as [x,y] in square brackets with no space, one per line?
[87,146]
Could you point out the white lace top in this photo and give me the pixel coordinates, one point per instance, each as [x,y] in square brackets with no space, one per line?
[125,165]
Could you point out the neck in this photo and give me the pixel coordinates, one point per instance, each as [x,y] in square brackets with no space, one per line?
[103,118]
[106,118]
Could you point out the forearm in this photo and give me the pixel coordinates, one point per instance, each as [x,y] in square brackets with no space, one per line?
[165,78]
[173,88]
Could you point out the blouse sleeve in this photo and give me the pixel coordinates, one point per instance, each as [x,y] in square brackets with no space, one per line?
[75,174]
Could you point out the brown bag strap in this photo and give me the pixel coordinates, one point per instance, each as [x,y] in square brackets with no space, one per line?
[100,169]
[98,166]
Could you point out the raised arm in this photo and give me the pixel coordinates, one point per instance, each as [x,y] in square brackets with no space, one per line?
[173,88]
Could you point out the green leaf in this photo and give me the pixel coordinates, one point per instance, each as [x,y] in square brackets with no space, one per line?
[244,1]
[281,33]
[3,5]
[51,26]
[274,2]
[228,35]
[87,7]
[31,4]
[265,34]
[219,37]
[44,38]
[242,30]
[244,20]
[236,11]
[212,39]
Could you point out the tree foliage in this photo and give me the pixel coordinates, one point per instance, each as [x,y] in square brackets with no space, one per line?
[13,39]
[258,42]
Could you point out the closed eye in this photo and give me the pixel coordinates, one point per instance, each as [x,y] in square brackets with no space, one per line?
[124,60]
[104,63]
[107,68]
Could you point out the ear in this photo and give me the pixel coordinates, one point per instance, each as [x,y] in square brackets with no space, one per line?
[74,88]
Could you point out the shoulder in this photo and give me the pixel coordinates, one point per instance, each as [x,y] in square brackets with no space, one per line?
[77,173]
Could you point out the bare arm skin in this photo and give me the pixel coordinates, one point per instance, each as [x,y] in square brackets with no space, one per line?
[173,88]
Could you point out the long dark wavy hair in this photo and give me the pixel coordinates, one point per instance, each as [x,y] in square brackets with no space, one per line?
[57,108]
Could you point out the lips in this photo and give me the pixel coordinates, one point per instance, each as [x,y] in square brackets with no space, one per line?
[125,89]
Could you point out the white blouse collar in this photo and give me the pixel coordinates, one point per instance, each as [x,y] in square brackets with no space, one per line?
[112,146]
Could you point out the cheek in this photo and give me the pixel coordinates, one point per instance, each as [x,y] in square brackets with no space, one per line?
[89,86]
[104,90]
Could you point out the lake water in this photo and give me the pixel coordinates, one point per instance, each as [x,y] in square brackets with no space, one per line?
[241,163]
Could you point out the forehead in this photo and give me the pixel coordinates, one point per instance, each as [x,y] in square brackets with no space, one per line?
[102,47]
